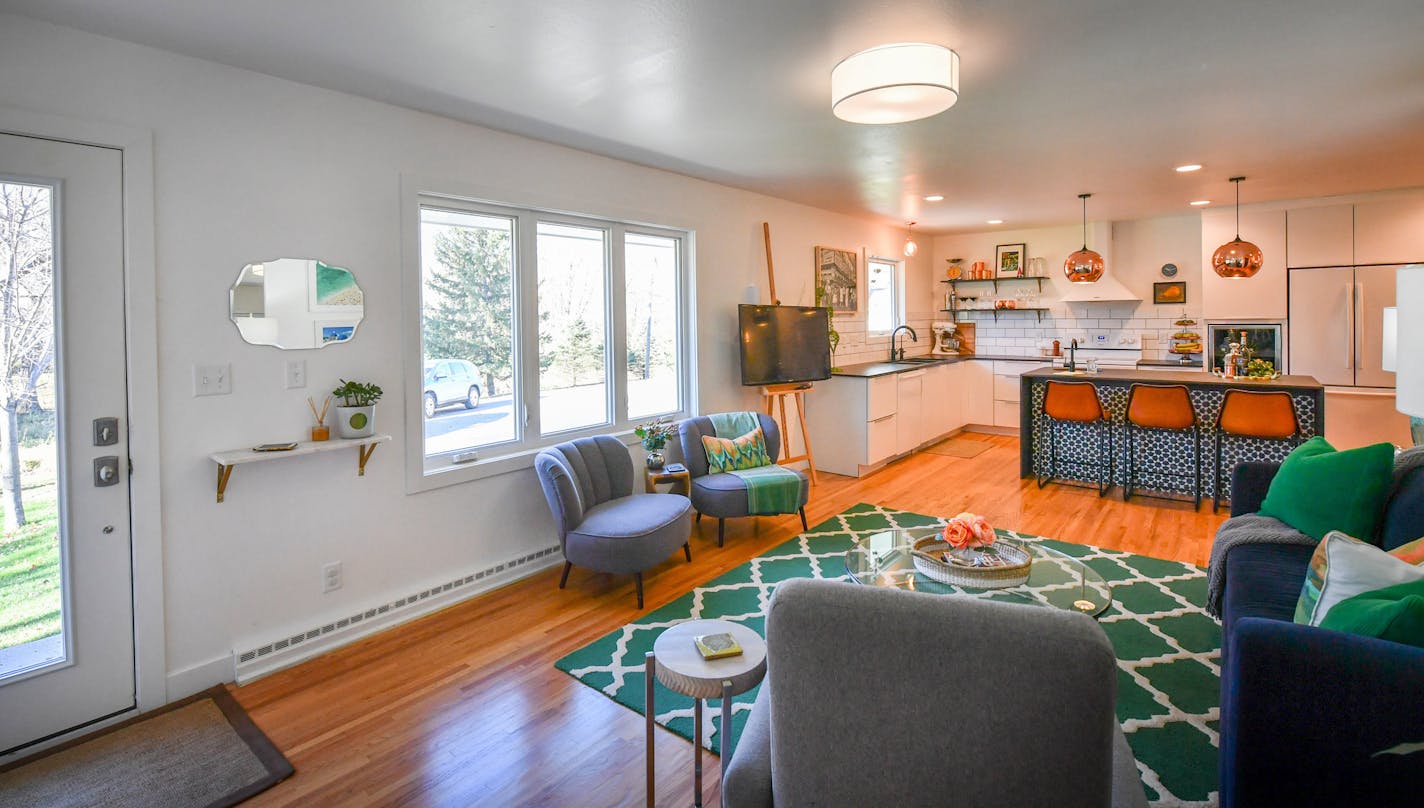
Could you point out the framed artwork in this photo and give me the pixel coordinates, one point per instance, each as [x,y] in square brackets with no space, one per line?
[1173,292]
[329,331]
[837,272]
[332,289]
[1009,260]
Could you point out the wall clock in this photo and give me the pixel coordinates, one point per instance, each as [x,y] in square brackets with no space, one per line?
[1169,270]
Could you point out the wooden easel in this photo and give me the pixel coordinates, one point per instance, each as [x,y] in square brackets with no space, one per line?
[775,395]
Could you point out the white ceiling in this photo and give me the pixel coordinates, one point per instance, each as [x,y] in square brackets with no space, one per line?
[1305,97]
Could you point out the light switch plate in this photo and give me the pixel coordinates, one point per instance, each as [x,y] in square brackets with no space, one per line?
[212,380]
[296,373]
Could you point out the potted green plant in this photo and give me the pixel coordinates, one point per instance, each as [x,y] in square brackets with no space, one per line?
[356,414]
[654,436]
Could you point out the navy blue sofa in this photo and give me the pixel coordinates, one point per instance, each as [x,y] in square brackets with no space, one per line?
[1307,713]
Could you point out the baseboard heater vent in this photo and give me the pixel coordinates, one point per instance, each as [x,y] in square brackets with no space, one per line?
[288,650]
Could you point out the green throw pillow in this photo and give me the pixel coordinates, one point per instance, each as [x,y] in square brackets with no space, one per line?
[1342,567]
[1319,489]
[1395,613]
[736,454]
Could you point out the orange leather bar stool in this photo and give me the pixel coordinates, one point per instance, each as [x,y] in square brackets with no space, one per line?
[1161,408]
[1254,415]
[1077,403]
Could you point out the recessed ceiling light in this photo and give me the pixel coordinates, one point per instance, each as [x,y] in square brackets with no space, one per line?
[935,198]
[1189,167]
[1196,203]
[995,221]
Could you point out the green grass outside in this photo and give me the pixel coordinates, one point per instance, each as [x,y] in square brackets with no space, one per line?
[29,572]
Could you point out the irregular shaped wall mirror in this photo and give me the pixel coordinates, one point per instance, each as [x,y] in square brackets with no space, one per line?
[296,303]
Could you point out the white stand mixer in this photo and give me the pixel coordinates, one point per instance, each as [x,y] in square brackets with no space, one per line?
[946,339]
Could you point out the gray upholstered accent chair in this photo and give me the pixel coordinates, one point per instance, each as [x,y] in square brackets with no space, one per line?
[589,485]
[886,697]
[725,495]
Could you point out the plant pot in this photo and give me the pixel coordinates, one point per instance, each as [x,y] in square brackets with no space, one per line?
[356,422]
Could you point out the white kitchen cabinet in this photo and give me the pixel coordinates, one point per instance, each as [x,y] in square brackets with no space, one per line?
[948,405]
[909,411]
[1390,231]
[881,440]
[1006,390]
[1262,296]
[1320,237]
[881,397]
[978,392]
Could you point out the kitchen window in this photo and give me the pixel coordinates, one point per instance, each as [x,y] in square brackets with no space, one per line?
[534,328]
[882,298]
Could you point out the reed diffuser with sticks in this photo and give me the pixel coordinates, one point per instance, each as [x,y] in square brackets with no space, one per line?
[320,431]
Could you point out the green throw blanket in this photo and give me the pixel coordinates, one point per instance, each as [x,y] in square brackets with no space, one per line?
[770,489]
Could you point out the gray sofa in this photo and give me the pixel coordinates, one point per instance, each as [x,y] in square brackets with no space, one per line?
[725,495]
[886,697]
[589,485]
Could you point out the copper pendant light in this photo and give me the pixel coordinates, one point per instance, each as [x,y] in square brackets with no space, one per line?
[1084,266]
[1237,258]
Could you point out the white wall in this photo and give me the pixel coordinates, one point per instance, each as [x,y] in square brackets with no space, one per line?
[249,167]
[1134,253]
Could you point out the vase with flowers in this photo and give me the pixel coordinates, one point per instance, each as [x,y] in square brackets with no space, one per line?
[654,436]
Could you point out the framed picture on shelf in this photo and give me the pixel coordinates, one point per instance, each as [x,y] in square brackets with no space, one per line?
[1009,260]
[837,274]
[1171,292]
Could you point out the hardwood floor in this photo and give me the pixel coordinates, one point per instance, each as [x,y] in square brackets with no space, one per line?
[464,707]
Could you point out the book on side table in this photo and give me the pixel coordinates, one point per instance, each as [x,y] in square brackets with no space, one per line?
[717,646]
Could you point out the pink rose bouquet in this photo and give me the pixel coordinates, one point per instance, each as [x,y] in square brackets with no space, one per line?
[968,530]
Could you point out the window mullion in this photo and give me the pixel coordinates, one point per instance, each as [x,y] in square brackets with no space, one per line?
[618,326]
[526,326]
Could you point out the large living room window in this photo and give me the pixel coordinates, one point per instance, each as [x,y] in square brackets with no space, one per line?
[537,327]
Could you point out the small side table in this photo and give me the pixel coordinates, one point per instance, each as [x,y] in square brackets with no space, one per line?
[681,481]
[680,667]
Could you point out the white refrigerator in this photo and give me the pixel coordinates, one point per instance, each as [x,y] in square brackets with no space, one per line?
[1337,324]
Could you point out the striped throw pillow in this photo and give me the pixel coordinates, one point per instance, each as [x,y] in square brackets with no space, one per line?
[1343,567]
[736,454]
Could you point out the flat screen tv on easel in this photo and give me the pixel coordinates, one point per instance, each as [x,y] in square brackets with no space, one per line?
[784,344]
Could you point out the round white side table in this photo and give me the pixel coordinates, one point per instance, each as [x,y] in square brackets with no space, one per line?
[680,667]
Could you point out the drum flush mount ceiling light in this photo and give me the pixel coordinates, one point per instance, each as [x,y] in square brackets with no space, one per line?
[895,83]
[1237,258]
[1084,266]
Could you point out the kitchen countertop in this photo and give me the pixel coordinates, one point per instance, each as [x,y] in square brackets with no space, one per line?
[1168,363]
[866,370]
[1189,377]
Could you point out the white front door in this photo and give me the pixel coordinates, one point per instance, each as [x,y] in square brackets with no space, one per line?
[66,584]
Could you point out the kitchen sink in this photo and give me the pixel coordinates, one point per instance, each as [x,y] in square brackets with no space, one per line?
[918,360]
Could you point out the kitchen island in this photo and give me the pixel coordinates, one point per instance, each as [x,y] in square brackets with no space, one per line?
[1170,453]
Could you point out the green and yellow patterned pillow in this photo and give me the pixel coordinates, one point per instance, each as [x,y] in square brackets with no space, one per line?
[736,454]
[1343,567]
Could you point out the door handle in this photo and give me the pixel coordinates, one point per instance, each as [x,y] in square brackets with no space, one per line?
[1359,318]
[1349,326]
[106,471]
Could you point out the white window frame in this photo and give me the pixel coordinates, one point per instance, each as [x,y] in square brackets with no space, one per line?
[424,474]
[897,294]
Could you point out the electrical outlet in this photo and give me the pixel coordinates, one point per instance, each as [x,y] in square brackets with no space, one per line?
[296,373]
[331,577]
[212,380]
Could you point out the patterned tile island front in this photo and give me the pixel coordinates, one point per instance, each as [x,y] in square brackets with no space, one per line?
[1161,455]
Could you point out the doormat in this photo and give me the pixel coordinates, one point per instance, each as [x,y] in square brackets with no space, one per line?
[1168,649]
[202,750]
[959,447]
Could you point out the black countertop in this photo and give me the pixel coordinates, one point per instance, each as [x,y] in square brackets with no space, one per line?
[867,370]
[1198,378]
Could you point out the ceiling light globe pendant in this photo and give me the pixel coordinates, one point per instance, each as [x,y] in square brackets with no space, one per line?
[1084,266]
[1237,258]
[896,83]
[910,246]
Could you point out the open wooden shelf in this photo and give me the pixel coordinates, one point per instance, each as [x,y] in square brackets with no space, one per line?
[958,281]
[233,458]
[996,312]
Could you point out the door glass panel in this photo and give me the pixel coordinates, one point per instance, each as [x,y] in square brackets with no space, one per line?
[651,272]
[32,580]
[573,360]
[467,306]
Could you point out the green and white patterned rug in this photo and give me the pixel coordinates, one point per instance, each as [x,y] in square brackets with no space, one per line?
[1168,649]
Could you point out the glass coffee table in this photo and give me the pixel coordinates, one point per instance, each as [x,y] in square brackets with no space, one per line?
[1055,579]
